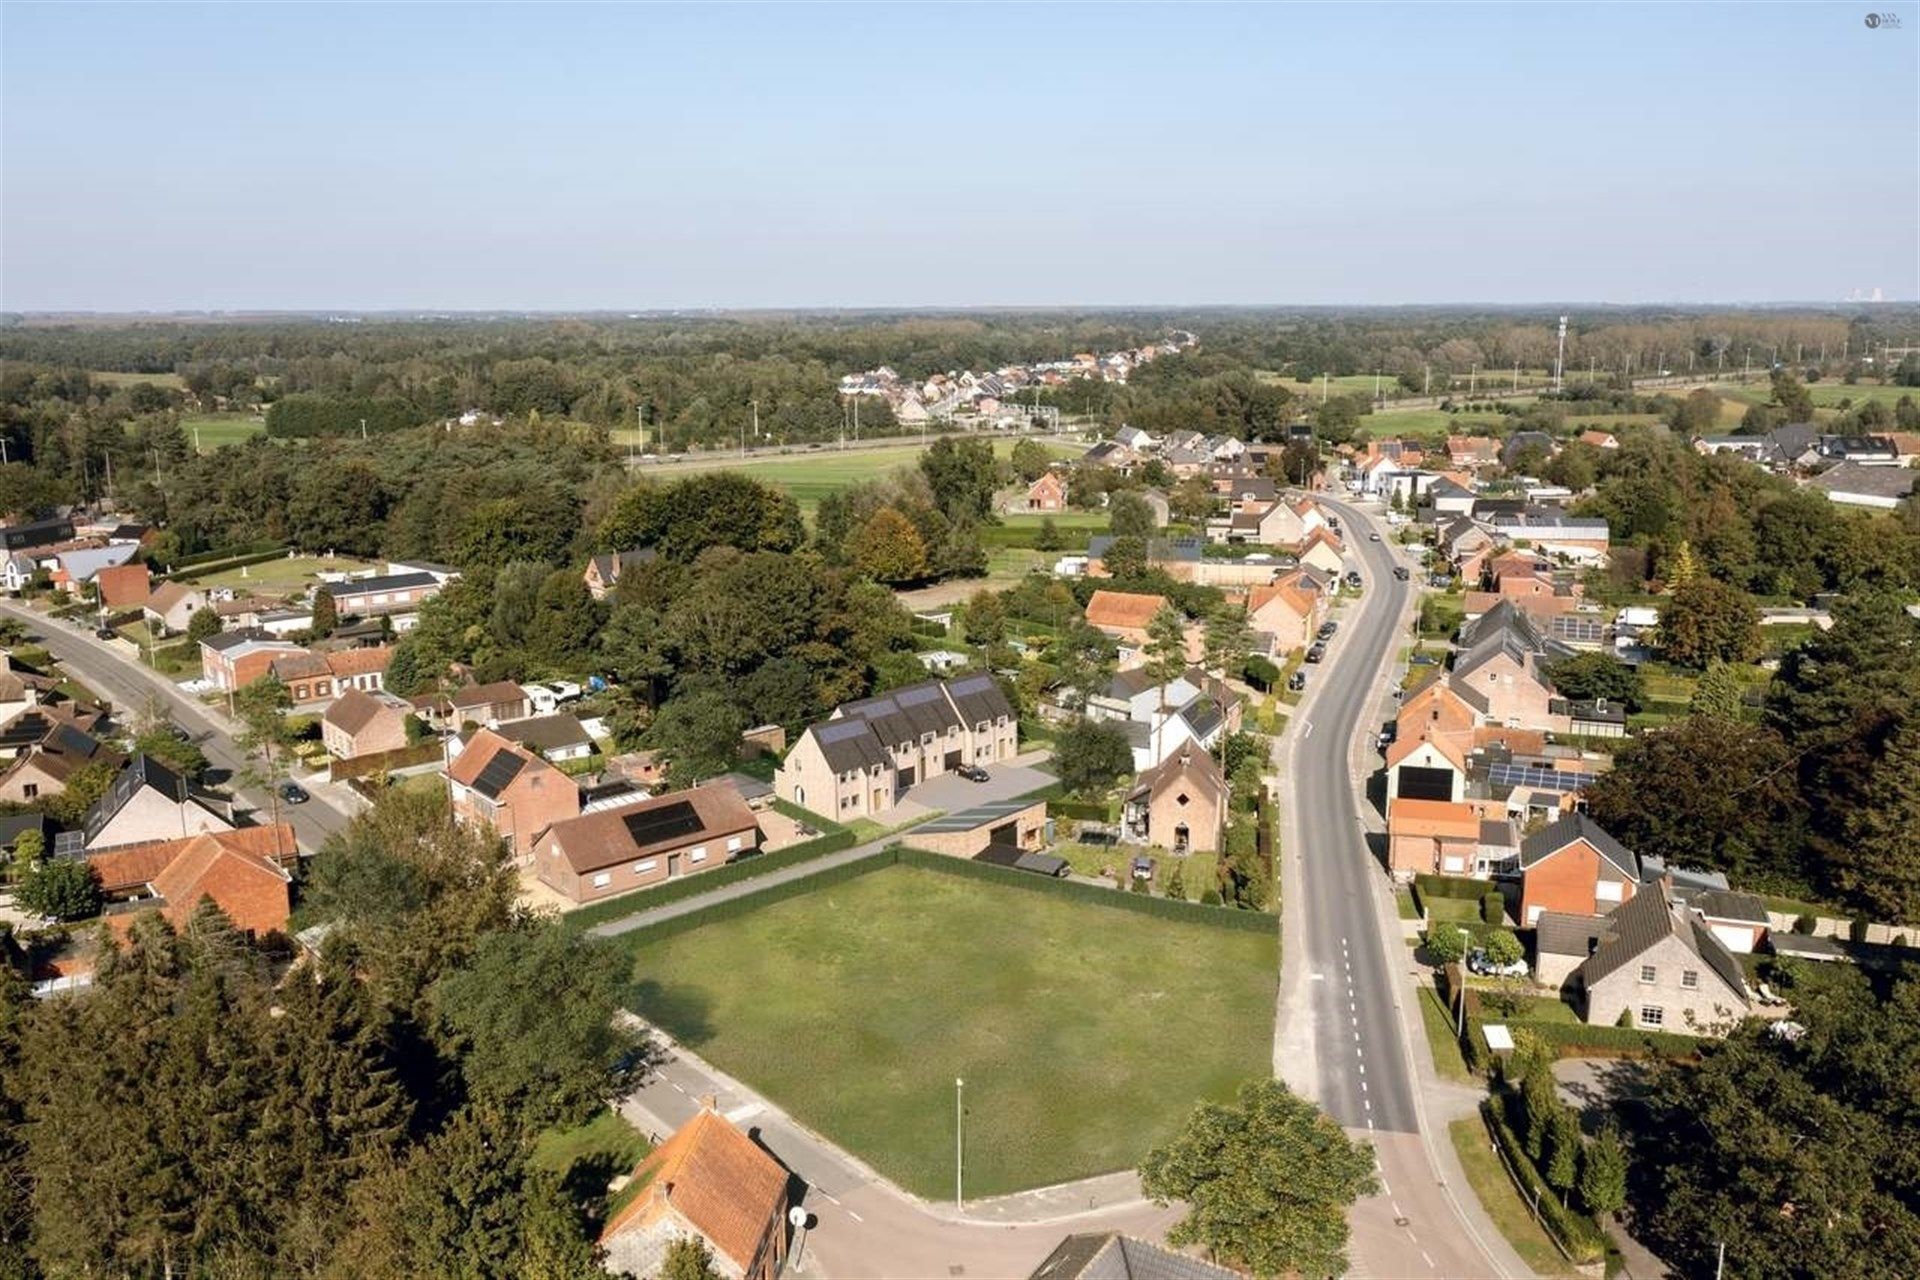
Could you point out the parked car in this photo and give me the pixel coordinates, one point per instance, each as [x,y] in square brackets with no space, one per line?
[1297,681]
[1373,537]
[1400,572]
[1327,629]
[294,793]
[104,633]
[1316,651]
[1143,868]
[972,773]
[1477,961]
[1423,660]
[1388,736]
[1353,580]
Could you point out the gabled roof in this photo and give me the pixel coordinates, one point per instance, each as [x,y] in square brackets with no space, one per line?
[355,709]
[595,841]
[1728,904]
[1647,919]
[487,695]
[250,889]
[1203,716]
[141,773]
[133,866]
[379,582]
[1443,819]
[168,594]
[490,764]
[545,733]
[1189,766]
[1549,840]
[1112,1256]
[1129,610]
[1562,933]
[716,1178]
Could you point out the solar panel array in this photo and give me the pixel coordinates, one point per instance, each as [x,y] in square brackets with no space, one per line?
[840,730]
[1580,629]
[1522,775]
[668,822]
[498,774]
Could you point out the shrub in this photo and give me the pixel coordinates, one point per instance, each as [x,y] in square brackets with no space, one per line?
[1625,1019]
[1210,897]
[1804,923]
[1493,908]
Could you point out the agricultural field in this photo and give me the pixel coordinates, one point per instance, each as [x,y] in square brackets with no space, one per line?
[1085,1033]
[280,577]
[1429,422]
[114,377]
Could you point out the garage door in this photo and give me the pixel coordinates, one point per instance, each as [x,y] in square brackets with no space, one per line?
[1006,833]
[953,761]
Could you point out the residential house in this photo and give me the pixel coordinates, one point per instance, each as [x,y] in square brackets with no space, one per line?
[1525,441]
[148,801]
[708,1182]
[78,566]
[1321,550]
[251,889]
[233,660]
[1599,439]
[1179,805]
[1582,539]
[1048,492]
[1738,920]
[123,586]
[613,851]
[1501,671]
[603,571]
[861,760]
[173,604]
[1288,611]
[42,769]
[1112,1256]
[1135,439]
[17,569]
[1861,484]
[1470,453]
[1656,965]
[1450,497]
[1426,766]
[395,596]
[1574,867]
[489,704]
[364,724]
[558,737]
[127,872]
[1431,836]
[509,790]
[1124,616]
[316,678]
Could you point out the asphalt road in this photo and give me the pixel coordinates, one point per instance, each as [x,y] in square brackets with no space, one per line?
[128,685]
[1348,1028]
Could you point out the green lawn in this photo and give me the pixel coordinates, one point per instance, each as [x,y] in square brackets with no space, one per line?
[1427,422]
[1198,871]
[215,429]
[607,1139]
[275,577]
[1501,1199]
[1085,1034]
[1441,1042]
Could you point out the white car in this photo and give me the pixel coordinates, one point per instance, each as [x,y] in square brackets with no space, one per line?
[1477,961]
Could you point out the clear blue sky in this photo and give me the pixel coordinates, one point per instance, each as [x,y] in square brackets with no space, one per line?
[565,157]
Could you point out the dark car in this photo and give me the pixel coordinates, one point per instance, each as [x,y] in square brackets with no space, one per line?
[1354,580]
[1143,868]
[1327,629]
[1400,572]
[103,633]
[1389,734]
[1316,652]
[972,773]
[1297,681]
[294,793]
[1423,660]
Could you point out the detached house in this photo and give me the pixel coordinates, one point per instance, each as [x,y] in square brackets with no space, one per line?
[397,596]
[708,1182]
[232,660]
[1657,964]
[172,605]
[364,724]
[489,704]
[861,760]
[1047,493]
[1179,805]
[603,571]
[509,790]
[149,801]
[613,851]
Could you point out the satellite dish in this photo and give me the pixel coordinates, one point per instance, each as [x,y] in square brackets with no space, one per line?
[797,1216]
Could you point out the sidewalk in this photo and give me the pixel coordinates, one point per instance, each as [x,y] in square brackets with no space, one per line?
[741,888]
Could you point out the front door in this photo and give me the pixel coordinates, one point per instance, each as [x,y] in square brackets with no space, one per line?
[673,865]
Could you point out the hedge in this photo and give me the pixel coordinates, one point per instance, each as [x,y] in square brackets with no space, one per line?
[628,904]
[1143,904]
[1457,887]
[1581,1036]
[748,902]
[1579,1236]
[225,553]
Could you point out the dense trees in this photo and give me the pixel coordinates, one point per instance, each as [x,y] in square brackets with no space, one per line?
[1267,1182]
[1093,755]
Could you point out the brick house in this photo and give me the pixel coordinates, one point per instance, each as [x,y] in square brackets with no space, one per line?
[603,571]
[1179,805]
[363,724]
[315,678]
[235,659]
[489,704]
[1658,964]
[708,1182]
[123,586]
[1576,868]
[128,871]
[250,888]
[1123,615]
[389,595]
[613,851]
[1432,837]
[509,791]
[1320,549]
[43,768]
[858,762]
[1287,611]
[1047,493]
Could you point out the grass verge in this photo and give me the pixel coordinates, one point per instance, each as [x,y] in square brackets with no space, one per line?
[1501,1199]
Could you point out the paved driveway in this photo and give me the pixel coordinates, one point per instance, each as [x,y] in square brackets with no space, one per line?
[950,793]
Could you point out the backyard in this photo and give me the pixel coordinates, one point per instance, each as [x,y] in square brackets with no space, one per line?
[283,576]
[1085,1033]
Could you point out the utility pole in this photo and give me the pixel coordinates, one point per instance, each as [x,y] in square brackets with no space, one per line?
[1560,358]
[1323,388]
[1516,375]
[756,420]
[1426,385]
[363,431]
[1473,381]
[959,1142]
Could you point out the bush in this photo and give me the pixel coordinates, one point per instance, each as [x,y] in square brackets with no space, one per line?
[1804,923]
[1625,1019]
[1493,908]
[1857,930]
[1580,1235]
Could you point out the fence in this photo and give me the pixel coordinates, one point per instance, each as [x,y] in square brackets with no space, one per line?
[384,761]
[1577,1238]
[1098,895]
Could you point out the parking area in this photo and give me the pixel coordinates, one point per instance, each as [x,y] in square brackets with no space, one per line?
[950,793]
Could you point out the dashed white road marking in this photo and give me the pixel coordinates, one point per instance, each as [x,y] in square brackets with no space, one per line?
[1428,1258]
[677,1085]
[856,1217]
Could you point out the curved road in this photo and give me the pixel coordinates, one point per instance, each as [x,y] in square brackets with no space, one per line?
[1348,1026]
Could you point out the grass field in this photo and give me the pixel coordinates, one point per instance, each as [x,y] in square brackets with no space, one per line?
[114,377]
[1427,422]
[1085,1034]
[212,430]
[606,1139]
[275,577]
[1502,1200]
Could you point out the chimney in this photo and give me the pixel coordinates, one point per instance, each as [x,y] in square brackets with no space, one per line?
[709,1103]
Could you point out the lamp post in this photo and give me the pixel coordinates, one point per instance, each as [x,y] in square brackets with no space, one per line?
[959,1142]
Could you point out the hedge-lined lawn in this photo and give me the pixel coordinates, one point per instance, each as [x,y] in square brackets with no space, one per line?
[1085,1033]
[274,577]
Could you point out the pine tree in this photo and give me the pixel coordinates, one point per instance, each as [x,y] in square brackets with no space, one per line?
[1563,1151]
[1684,568]
[1877,861]
[326,614]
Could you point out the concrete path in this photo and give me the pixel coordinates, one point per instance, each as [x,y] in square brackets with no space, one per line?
[741,888]
[865,1226]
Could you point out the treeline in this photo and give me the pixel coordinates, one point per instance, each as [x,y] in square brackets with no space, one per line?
[201,1111]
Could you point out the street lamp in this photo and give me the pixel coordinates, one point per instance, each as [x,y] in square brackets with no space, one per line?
[959,1142]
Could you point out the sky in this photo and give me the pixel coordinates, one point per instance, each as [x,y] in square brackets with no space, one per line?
[561,157]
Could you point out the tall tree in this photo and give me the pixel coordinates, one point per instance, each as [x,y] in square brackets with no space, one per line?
[887,548]
[1129,516]
[1267,1182]
[1705,621]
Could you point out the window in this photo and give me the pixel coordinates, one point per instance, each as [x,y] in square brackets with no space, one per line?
[1648,973]
[698,855]
[1690,978]
[602,880]
[733,844]
[1652,1015]
[641,868]
[31,790]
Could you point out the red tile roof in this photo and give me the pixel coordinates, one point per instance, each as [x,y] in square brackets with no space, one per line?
[1123,609]
[716,1178]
